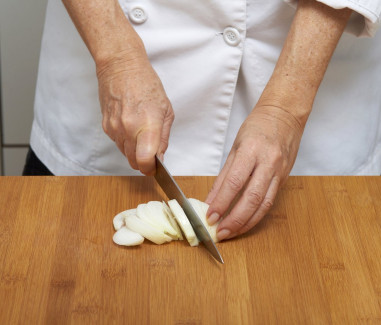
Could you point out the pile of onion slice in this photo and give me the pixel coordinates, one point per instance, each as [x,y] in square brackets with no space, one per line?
[160,223]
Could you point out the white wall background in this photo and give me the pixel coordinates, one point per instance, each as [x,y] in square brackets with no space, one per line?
[21,25]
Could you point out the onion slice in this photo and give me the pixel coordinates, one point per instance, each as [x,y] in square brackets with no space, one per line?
[183,222]
[118,220]
[153,213]
[127,237]
[146,230]
[201,209]
[172,220]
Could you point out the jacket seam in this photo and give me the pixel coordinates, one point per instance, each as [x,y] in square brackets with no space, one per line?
[365,8]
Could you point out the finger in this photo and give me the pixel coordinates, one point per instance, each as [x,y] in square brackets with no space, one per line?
[111,123]
[220,178]
[212,217]
[105,124]
[147,144]
[265,207]
[165,132]
[114,129]
[129,146]
[235,179]
[129,129]
[248,204]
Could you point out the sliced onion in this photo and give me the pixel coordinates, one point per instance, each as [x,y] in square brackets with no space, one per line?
[172,221]
[201,209]
[118,221]
[127,237]
[155,210]
[146,230]
[183,222]
[155,216]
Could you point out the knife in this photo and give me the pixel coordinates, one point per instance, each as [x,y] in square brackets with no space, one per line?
[173,191]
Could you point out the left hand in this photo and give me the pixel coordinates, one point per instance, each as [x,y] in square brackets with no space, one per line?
[266,145]
[259,162]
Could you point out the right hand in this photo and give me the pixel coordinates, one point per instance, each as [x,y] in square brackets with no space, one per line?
[137,114]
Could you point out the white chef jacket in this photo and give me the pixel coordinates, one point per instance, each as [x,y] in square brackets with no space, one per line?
[214,58]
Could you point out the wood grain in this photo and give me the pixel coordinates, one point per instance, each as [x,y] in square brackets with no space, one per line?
[314,259]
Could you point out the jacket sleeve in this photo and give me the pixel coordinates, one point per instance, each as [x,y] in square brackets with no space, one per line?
[365,19]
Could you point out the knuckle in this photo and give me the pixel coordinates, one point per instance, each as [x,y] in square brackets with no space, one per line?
[114,123]
[275,156]
[104,126]
[171,114]
[235,182]
[254,197]
[277,180]
[244,154]
[128,122]
[237,222]
[166,103]
[267,203]
[286,165]
[144,159]
[162,105]
[170,118]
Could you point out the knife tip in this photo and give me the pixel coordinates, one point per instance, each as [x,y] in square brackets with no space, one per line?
[218,257]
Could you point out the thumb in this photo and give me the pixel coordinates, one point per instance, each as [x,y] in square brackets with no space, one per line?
[147,145]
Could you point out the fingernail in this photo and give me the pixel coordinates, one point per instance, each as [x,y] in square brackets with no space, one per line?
[213,218]
[222,234]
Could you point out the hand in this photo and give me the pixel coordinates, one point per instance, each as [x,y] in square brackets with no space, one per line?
[137,114]
[259,162]
[267,143]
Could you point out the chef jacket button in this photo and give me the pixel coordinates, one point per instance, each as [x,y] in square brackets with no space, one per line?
[137,15]
[231,36]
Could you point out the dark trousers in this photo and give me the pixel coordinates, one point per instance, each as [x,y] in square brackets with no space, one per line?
[34,166]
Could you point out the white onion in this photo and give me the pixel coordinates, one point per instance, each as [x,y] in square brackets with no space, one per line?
[183,222]
[146,230]
[159,223]
[127,237]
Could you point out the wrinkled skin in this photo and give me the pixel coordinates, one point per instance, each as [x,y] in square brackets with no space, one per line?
[137,114]
[259,162]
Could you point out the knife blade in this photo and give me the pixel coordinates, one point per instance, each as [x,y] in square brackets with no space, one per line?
[173,191]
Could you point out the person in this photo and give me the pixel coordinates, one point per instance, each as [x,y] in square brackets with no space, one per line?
[241,77]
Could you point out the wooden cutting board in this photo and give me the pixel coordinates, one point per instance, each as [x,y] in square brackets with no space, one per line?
[315,259]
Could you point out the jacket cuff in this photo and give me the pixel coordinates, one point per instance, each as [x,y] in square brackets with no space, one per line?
[365,18]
